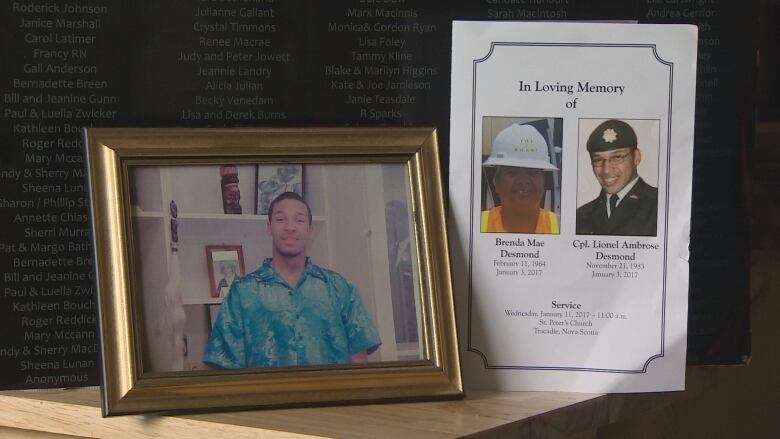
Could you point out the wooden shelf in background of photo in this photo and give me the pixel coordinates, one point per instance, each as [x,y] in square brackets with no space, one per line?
[203,301]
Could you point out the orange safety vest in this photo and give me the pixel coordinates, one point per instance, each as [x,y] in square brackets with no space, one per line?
[491,222]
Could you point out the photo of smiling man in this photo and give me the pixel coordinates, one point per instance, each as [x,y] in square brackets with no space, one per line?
[290,311]
[618,151]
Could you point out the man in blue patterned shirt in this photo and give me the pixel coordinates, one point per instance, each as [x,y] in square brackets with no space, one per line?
[290,312]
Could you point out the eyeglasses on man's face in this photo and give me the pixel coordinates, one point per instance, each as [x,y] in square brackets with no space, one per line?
[613,159]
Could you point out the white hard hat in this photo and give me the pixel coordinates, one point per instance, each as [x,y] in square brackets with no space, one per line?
[521,146]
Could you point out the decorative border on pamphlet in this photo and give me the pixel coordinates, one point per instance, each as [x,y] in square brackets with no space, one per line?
[472,348]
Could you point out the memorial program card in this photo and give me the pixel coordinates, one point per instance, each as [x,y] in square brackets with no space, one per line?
[570,193]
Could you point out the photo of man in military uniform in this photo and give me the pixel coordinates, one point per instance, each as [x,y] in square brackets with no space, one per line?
[626,204]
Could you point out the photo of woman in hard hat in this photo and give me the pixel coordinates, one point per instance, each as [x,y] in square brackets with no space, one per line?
[521,183]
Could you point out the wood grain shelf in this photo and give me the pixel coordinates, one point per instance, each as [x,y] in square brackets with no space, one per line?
[548,415]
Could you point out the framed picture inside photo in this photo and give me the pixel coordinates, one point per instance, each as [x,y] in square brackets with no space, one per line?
[226,264]
[341,292]
[273,180]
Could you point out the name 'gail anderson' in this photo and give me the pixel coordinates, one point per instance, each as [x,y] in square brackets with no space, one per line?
[581,87]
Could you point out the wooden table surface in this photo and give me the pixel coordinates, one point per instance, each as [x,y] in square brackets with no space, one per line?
[76,413]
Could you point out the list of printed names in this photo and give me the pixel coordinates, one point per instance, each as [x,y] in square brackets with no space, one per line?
[235,54]
[47,288]
[379,74]
[702,13]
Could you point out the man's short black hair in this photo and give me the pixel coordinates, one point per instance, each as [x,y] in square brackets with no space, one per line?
[288,196]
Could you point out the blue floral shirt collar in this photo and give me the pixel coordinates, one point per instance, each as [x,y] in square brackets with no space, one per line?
[266,273]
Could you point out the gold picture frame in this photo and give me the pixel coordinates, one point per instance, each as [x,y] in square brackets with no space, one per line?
[125,228]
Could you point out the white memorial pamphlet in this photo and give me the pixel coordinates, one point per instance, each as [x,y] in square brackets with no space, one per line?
[570,195]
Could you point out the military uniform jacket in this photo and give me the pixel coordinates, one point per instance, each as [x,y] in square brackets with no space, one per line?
[635,215]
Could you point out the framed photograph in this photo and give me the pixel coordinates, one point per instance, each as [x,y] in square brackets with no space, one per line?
[226,264]
[342,292]
[273,180]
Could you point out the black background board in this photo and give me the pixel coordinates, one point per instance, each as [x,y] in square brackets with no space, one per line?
[298,63]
